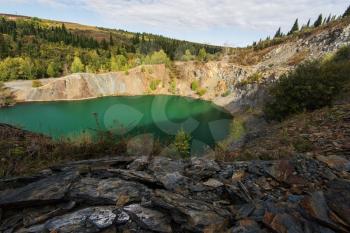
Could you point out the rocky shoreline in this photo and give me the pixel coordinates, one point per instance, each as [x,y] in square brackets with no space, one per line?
[141,194]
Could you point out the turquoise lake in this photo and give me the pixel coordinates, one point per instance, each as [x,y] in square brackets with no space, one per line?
[160,116]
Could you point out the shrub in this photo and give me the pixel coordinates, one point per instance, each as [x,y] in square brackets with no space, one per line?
[202,55]
[343,54]
[159,57]
[36,83]
[182,143]
[172,88]
[143,69]
[187,56]
[252,79]
[154,84]
[77,65]
[238,129]
[195,85]
[119,63]
[53,70]
[201,91]
[310,86]
[226,93]
[16,68]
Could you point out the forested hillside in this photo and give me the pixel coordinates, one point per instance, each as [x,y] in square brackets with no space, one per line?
[32,48]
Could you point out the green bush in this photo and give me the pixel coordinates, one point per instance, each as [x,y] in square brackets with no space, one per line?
[119,63]
[252,79]
[159,57]
[154,84]
[36,84]
[187,56]
[238,129]
[343,54]
[77,66]
[310,86]
[202,55]
[182,143]
[143,69]
[53,70]
[195,85]
[201,91]
[226,93]
[16,68]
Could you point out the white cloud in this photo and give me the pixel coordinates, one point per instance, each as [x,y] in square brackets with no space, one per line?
[189,16]
[205,14]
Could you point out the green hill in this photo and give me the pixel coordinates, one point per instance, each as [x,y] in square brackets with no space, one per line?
[32,48]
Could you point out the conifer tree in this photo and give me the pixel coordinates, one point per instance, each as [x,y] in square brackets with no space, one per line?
[295,27]
[111,42]
[308,23]
[319,21]
[347,12]
[278,33]
[64,28]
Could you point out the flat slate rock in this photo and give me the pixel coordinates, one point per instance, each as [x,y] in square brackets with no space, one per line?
[92,220]
[107,191]
[49,190]
[147,195]
[149,219]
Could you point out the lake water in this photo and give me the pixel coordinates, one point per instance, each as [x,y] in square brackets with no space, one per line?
[159,116]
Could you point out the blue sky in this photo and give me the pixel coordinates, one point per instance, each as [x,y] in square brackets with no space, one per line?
[233,22]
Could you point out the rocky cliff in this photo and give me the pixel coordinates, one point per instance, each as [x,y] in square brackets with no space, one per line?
[227,82]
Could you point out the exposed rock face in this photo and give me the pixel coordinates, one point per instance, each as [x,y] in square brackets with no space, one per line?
[221,79]
[163,195]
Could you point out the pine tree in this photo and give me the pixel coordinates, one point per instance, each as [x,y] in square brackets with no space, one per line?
[295,27]
[278,33]
[111,42]
[319,21]
[308,23]
[329,18]
[347,12]
[64,28]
